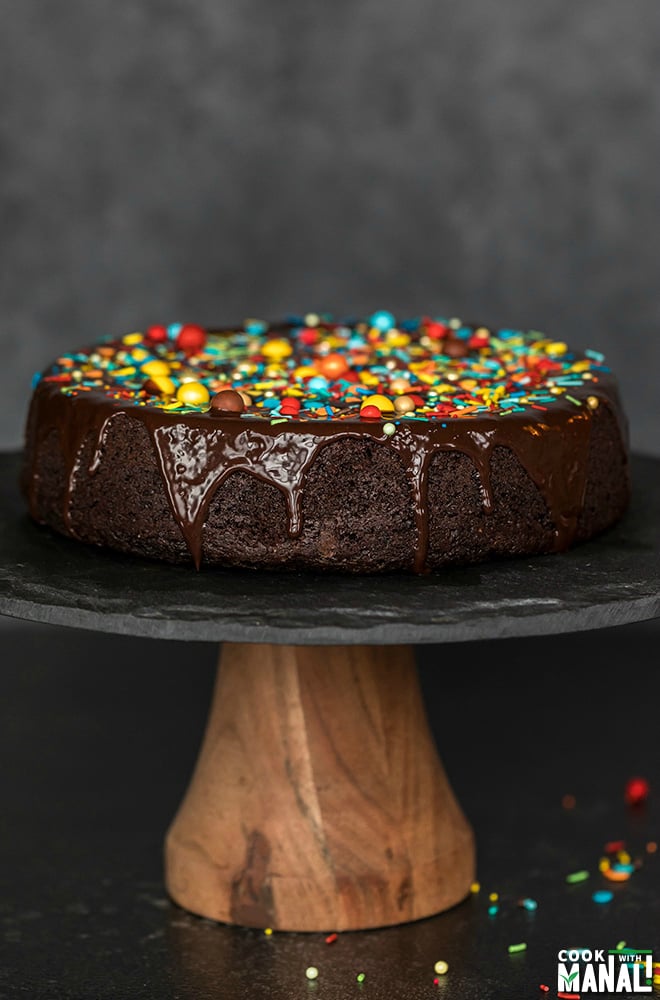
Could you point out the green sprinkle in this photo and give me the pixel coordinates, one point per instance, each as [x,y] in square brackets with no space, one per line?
[515,948]
[279,420]
[580,876]
[620,945]
[573,399]
[361,977]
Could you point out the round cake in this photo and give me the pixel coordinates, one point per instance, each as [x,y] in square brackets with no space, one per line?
[359,445]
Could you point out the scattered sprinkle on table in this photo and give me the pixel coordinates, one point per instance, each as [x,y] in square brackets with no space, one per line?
[580,876]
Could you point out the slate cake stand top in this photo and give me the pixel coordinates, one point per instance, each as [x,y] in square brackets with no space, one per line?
[612,580]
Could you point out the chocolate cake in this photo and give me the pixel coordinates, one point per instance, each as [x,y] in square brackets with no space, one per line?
[363,445]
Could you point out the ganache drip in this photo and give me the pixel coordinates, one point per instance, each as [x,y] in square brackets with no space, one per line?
[196,453]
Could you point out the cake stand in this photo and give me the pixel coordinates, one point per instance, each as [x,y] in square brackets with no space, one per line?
[318,801]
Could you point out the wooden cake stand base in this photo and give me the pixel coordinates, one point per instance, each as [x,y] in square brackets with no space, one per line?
[318,801]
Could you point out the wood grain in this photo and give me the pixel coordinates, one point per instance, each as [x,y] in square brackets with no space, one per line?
[318,801]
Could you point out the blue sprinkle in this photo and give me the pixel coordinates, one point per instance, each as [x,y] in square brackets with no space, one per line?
[173,330]
[382,320]
[271,403]
[530,904]
[318,382]
[602,896]
[255,326]
[36,379]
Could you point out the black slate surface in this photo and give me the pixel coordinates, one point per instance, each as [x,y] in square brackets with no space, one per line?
[98,736]
[613,580]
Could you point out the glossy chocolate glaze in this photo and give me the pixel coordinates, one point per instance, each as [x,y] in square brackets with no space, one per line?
[196,452]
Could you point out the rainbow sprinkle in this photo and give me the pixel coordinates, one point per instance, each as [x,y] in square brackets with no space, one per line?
[314,368]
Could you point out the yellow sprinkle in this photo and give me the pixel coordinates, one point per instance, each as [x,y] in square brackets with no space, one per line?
[475,887]
[382,403]
[165,385]
[623,857]
[494,896]
[603,865]
[395,338]
[155,368]
[441,967]
[131,339]
[268,931]
[193,394]
[556,347]
[277,349]
[130,370]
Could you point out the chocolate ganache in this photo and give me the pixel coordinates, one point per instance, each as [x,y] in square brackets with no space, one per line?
[267,400]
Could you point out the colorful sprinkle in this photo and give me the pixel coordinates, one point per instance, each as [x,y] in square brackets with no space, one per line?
[312,972]
[636,791]
[575,877]
[321,369]
[513,949]
[603,896]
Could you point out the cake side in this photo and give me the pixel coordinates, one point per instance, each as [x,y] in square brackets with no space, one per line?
[357,505]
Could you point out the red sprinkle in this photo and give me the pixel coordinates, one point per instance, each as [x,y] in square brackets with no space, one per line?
[546,989]
[436,331]
[612,846]
[157,334]
[569,996]
[191,339]
[290,405]
[637,791]
[370,413]
[331,938]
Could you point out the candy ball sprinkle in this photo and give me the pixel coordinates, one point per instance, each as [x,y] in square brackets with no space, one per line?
[227,401]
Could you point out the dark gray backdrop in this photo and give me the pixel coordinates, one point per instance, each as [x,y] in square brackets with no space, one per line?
[205,160]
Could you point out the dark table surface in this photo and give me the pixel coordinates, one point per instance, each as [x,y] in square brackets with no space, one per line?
[99,736]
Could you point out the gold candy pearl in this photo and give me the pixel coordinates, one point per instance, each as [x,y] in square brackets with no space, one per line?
[404,404]
[593,402]
[245,396]
[399,385]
